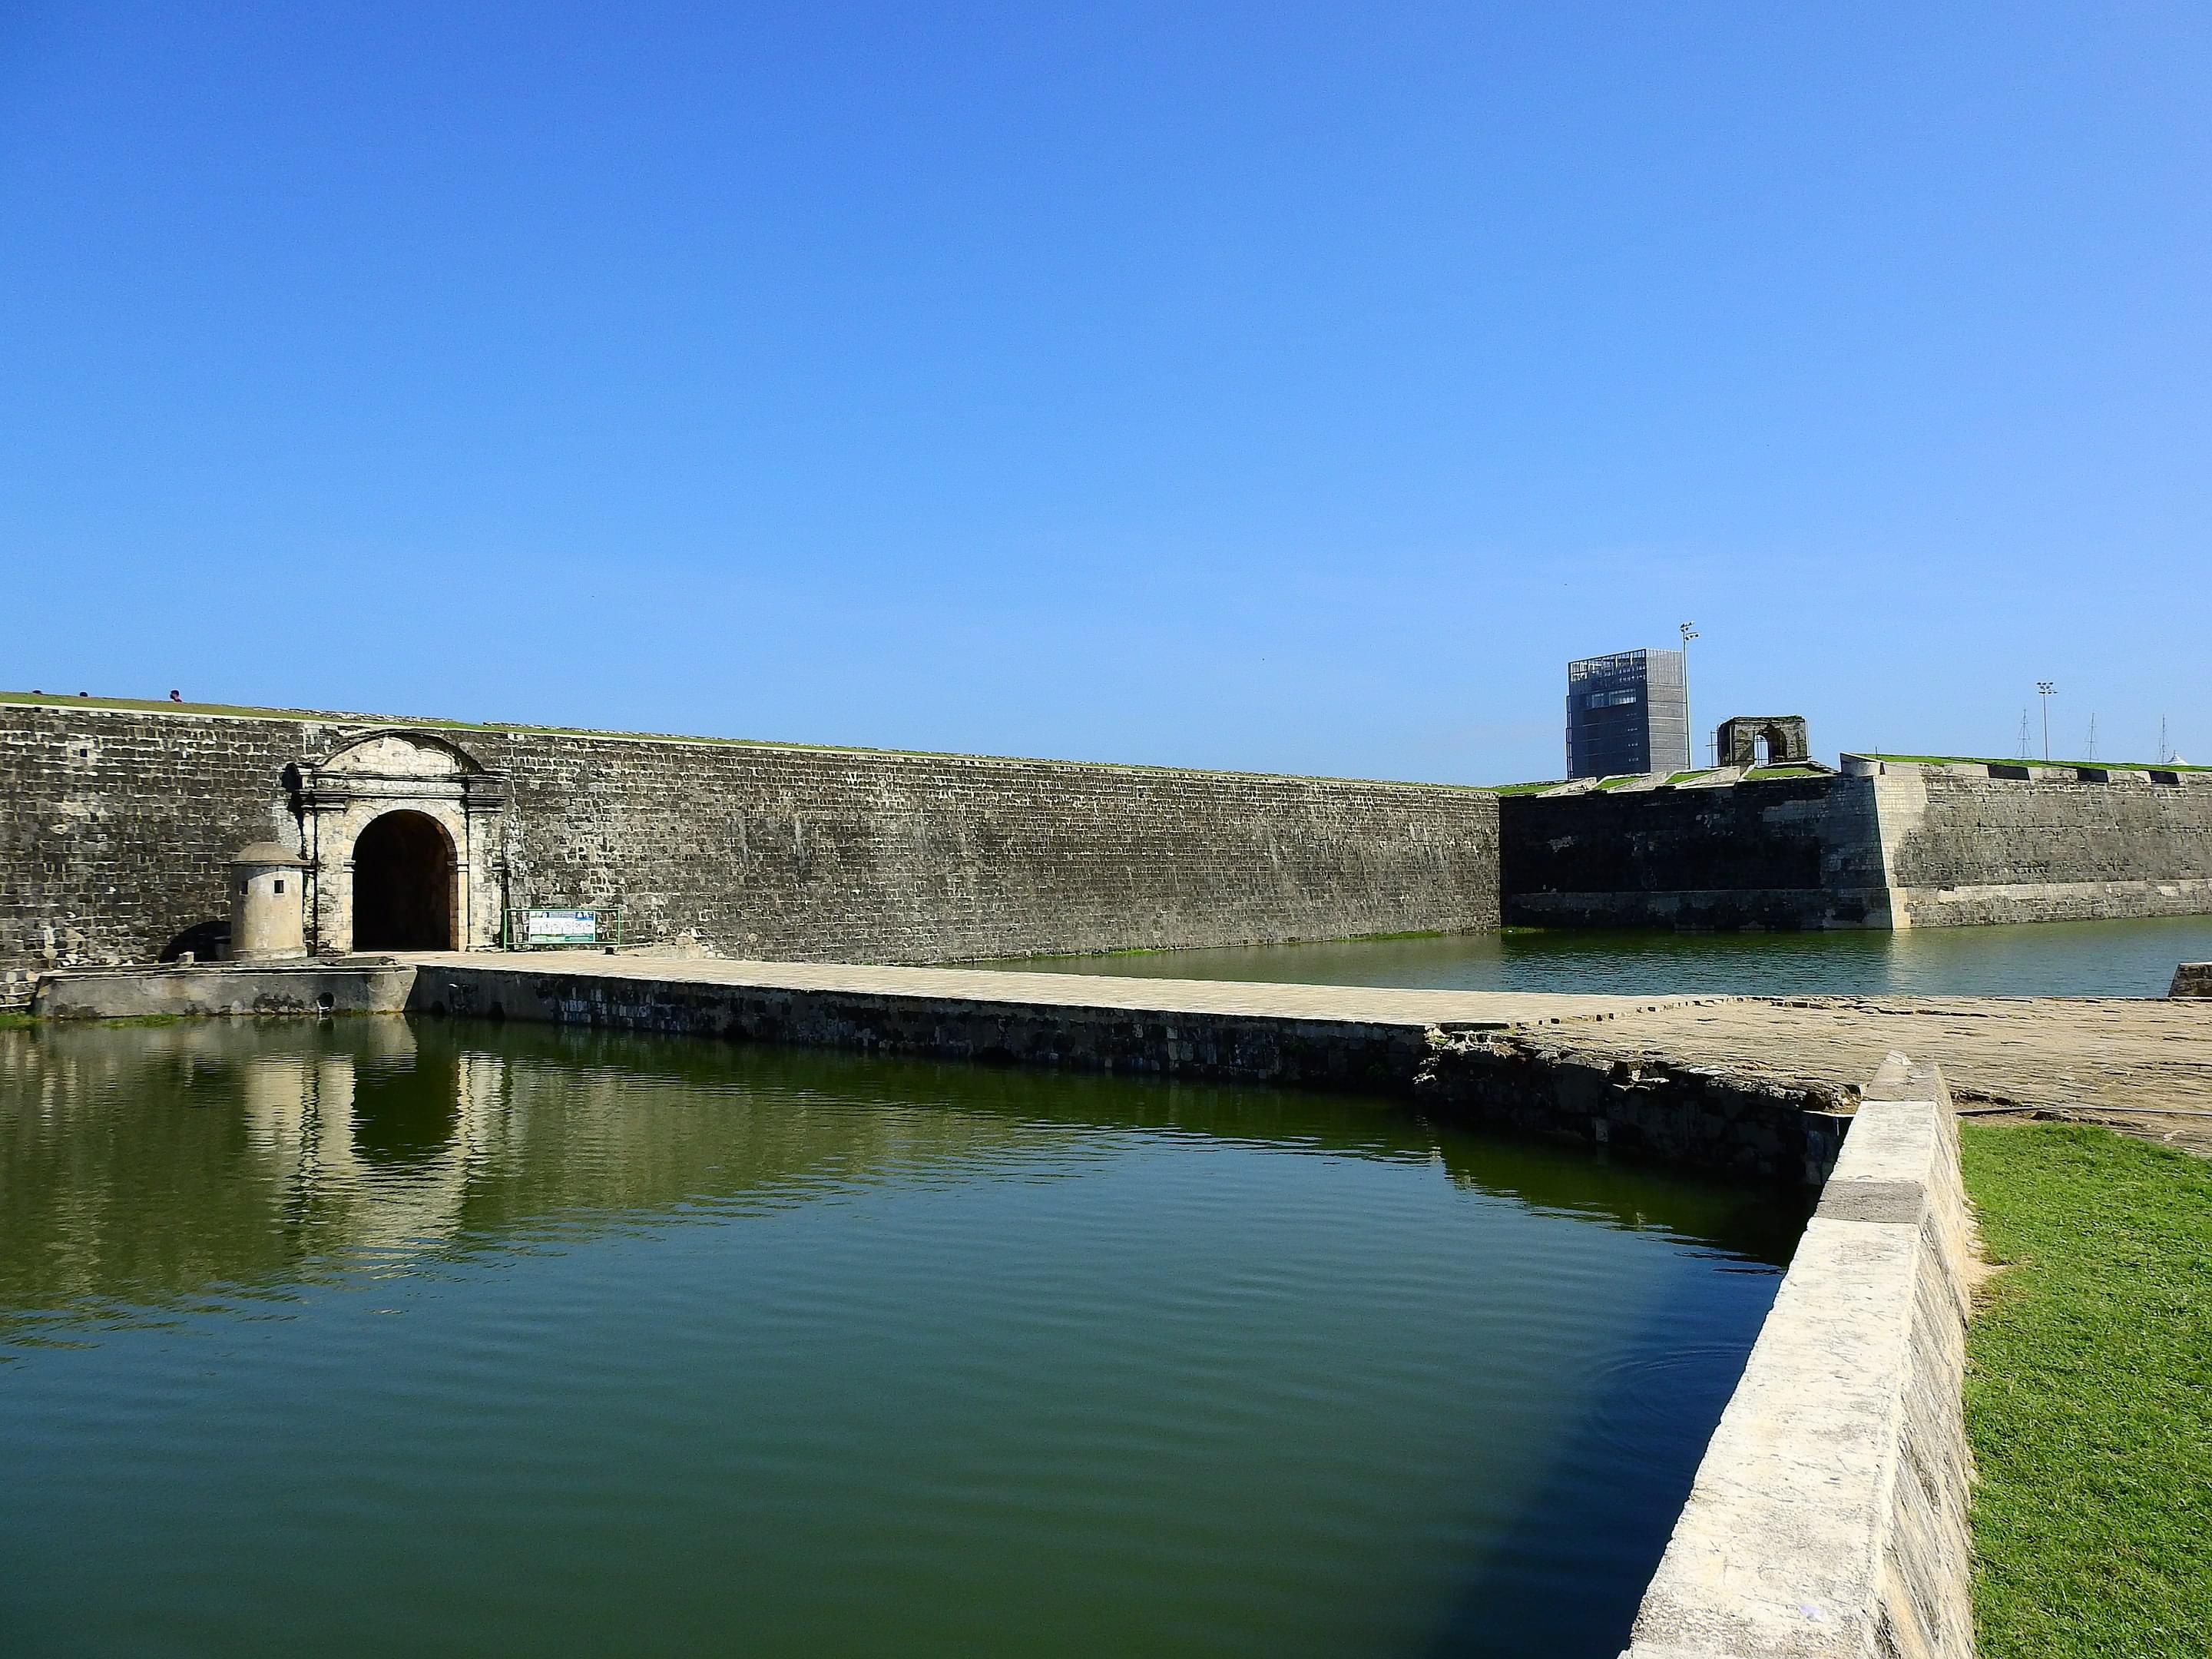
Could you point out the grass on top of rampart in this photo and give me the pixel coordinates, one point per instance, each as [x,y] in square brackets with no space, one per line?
[2089,1395]
[519,729]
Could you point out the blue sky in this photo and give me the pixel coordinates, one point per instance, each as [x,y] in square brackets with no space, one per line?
[1277,387]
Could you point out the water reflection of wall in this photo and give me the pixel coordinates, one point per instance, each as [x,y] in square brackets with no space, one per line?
[142,1164]
[137,1163]
[377,1139]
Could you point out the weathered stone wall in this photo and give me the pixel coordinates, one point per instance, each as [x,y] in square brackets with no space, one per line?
[116,829]
[1759,1128]
[910,858]
[115,825]
[1905,847]
[1320,1052]
[1783,852]
[1961,850]
[224,990]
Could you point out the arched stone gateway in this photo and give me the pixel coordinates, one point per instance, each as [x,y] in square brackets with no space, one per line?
[403,829]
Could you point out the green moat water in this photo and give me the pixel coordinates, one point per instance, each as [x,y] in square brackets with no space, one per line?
[2056,958]
[367,1336]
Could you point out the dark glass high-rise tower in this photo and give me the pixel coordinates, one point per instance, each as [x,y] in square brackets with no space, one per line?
[1629,712]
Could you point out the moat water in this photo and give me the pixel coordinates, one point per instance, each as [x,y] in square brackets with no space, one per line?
[369,1337]
[2057,958]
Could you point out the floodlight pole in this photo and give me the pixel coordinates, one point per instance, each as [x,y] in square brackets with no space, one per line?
[2043,688]
[1689,631]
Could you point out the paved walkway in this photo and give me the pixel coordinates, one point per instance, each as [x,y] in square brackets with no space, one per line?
[1181,996]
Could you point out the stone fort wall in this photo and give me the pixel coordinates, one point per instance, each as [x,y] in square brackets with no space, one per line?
[1786,852]
[115,825]
[1896,847]
[1962,850]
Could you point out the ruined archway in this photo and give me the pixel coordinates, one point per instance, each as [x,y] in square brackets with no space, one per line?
[1762,740]
[403,884]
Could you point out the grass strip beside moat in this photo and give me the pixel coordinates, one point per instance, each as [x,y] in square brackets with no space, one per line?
[2089,1395]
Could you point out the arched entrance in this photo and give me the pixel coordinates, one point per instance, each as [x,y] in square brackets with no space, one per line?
[403,884]
[405,831]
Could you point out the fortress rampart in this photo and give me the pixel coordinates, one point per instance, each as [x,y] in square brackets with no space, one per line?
[1884,844]
[1786,853]
[116,825]
[1960,849]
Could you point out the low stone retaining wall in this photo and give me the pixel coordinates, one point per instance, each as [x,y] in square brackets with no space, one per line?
[1749,1127]
[1479,1060]
[1743,1126]
[1342,1054]
[215,989]
[1828,1518]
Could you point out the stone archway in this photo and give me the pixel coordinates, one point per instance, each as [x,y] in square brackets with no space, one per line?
[1762,740]
[403,884]
[403,828]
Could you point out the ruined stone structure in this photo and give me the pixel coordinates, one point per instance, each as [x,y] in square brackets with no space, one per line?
[119,825]
[1738,741]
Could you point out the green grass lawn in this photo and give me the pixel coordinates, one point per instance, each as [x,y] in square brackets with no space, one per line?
[2089,1395]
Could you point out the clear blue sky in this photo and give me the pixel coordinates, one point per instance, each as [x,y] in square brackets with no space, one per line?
[1292,387]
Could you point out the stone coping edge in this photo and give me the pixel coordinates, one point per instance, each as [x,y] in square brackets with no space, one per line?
[221,990]
[1828,1517]
[1304,1050]
[1694,1116]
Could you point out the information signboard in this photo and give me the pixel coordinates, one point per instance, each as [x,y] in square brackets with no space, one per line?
[560,927]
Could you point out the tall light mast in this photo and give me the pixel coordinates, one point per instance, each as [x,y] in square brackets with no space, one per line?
[1689,631]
